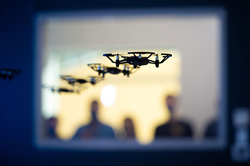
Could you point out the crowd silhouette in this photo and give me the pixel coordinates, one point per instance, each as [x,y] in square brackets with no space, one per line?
[174,127]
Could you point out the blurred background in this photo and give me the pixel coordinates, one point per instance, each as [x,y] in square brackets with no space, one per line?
[36,29]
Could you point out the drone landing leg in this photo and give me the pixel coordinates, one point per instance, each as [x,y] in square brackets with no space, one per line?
[157,63]
[117,63]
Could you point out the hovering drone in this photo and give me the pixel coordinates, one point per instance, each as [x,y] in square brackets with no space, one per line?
[72,81]
[102,69]
[9,73]
[65,90]
[137,59]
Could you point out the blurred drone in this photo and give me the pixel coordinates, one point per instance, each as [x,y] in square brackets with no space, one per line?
[65,90]
[72,81]
[137,59]
[9,73]
[102,69]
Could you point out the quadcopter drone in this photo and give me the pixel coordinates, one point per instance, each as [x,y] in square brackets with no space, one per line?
[137,59]
[72,81]
[101,69]
[9,73]
[65,90]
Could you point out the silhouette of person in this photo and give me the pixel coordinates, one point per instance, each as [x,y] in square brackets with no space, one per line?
[129,128]
[174,127]
[51,128]
[95,129]
[211,130]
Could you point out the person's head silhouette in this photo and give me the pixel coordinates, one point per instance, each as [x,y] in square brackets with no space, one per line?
[52,125]
[171,103]
[129,128]
[94,110]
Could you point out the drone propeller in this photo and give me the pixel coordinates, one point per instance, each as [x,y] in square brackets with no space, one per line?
[109,54]
[67,77]
[167,54]
[117,61]
[157,61]
[49,87]
[98,67]
[113,55]
[141,52]
[95,79]
[61,89]
[129,70]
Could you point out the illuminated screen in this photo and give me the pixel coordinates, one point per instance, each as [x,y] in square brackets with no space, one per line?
[180,104]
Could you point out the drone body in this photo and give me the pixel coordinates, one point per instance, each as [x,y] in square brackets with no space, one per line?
[140,61]
[73,81]
[59,90]
[9,73]
[113,70]
[73,89]
[102,69]
[137,59]
[80,81]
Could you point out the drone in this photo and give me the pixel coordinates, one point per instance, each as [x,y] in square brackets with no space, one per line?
[9,73]
[137,59]
[102,69]
[72,81]
[65,90]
